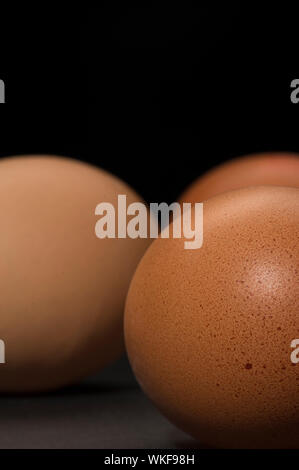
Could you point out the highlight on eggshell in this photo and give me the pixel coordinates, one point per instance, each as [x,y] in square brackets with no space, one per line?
[212,334]
[271,168]
[62,289]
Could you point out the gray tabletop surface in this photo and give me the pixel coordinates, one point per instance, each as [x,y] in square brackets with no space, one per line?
[108,411]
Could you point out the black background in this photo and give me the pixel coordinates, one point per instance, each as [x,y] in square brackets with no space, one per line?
[155,94]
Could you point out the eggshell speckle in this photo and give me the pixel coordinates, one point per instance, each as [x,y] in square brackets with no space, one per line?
[62,289]
[280,169]
[208,331]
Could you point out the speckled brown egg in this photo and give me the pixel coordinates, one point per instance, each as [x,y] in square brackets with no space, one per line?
[281,169]
[209,331]
[62,288]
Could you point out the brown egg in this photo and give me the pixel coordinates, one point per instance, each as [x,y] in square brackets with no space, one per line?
[281,169]
[62,288]
[209,331]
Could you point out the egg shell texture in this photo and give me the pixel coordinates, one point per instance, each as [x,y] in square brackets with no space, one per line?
[280,169]
[62,289]
[208,331]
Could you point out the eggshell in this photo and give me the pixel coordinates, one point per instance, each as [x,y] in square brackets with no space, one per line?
[62,289]
[281,169]
[209,331]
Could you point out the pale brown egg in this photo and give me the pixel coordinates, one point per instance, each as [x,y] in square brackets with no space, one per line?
[62,288]
[281,169]
[209,331]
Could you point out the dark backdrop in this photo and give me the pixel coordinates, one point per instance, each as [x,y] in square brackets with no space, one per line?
[156,95]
